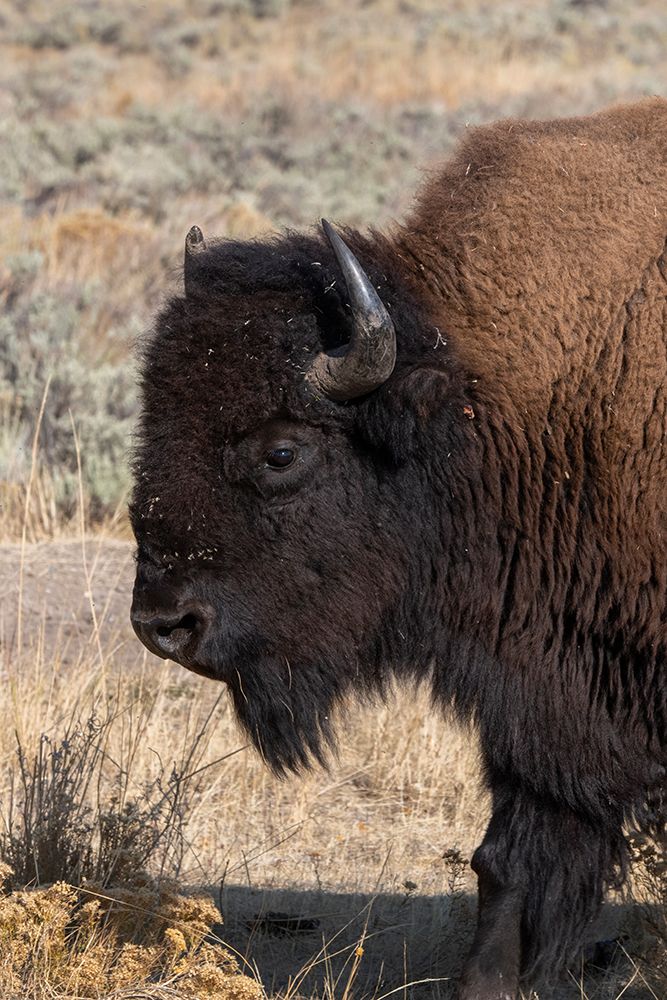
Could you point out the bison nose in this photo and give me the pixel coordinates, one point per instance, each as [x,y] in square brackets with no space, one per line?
[174,636]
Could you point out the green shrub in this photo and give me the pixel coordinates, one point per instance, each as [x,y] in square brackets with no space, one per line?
[41,339]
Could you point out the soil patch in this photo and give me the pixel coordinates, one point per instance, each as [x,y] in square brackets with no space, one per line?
[71,602]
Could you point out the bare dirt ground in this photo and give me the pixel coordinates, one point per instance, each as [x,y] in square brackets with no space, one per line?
[372,854]
[60,603]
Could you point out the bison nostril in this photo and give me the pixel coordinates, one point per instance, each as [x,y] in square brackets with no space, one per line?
[188,623]
[174,636]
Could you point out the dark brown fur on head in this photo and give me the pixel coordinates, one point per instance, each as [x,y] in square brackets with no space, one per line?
[492,518]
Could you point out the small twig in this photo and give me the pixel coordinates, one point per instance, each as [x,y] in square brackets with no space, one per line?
[86,569]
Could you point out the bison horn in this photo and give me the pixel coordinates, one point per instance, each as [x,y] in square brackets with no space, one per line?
[371,354]
[195,246]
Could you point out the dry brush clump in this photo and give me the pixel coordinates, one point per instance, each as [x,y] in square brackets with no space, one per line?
[90,852]
[65,819]
[102,773]
[90,942]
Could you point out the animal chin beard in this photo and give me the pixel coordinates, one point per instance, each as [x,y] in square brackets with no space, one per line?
[287,712]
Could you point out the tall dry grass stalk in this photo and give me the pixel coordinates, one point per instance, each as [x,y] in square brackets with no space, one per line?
[26,514]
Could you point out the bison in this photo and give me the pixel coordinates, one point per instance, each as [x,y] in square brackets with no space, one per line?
[439,453]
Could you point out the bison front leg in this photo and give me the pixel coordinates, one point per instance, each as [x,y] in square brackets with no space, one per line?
[542,870]
[494,964]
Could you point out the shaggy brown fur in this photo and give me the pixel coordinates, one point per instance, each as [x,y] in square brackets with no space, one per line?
[493,518]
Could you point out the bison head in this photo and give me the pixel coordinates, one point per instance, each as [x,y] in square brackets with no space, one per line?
[278,503]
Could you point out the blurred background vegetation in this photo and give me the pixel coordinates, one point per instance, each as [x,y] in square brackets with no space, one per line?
[122,124]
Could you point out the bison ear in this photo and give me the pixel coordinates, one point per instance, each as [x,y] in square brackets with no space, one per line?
[195,248]
[399,421]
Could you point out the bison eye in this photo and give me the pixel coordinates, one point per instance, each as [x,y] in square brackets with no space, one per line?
[280,458]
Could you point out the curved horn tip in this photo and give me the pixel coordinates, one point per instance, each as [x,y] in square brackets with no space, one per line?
[371,353]
[337,243]
[194,241]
